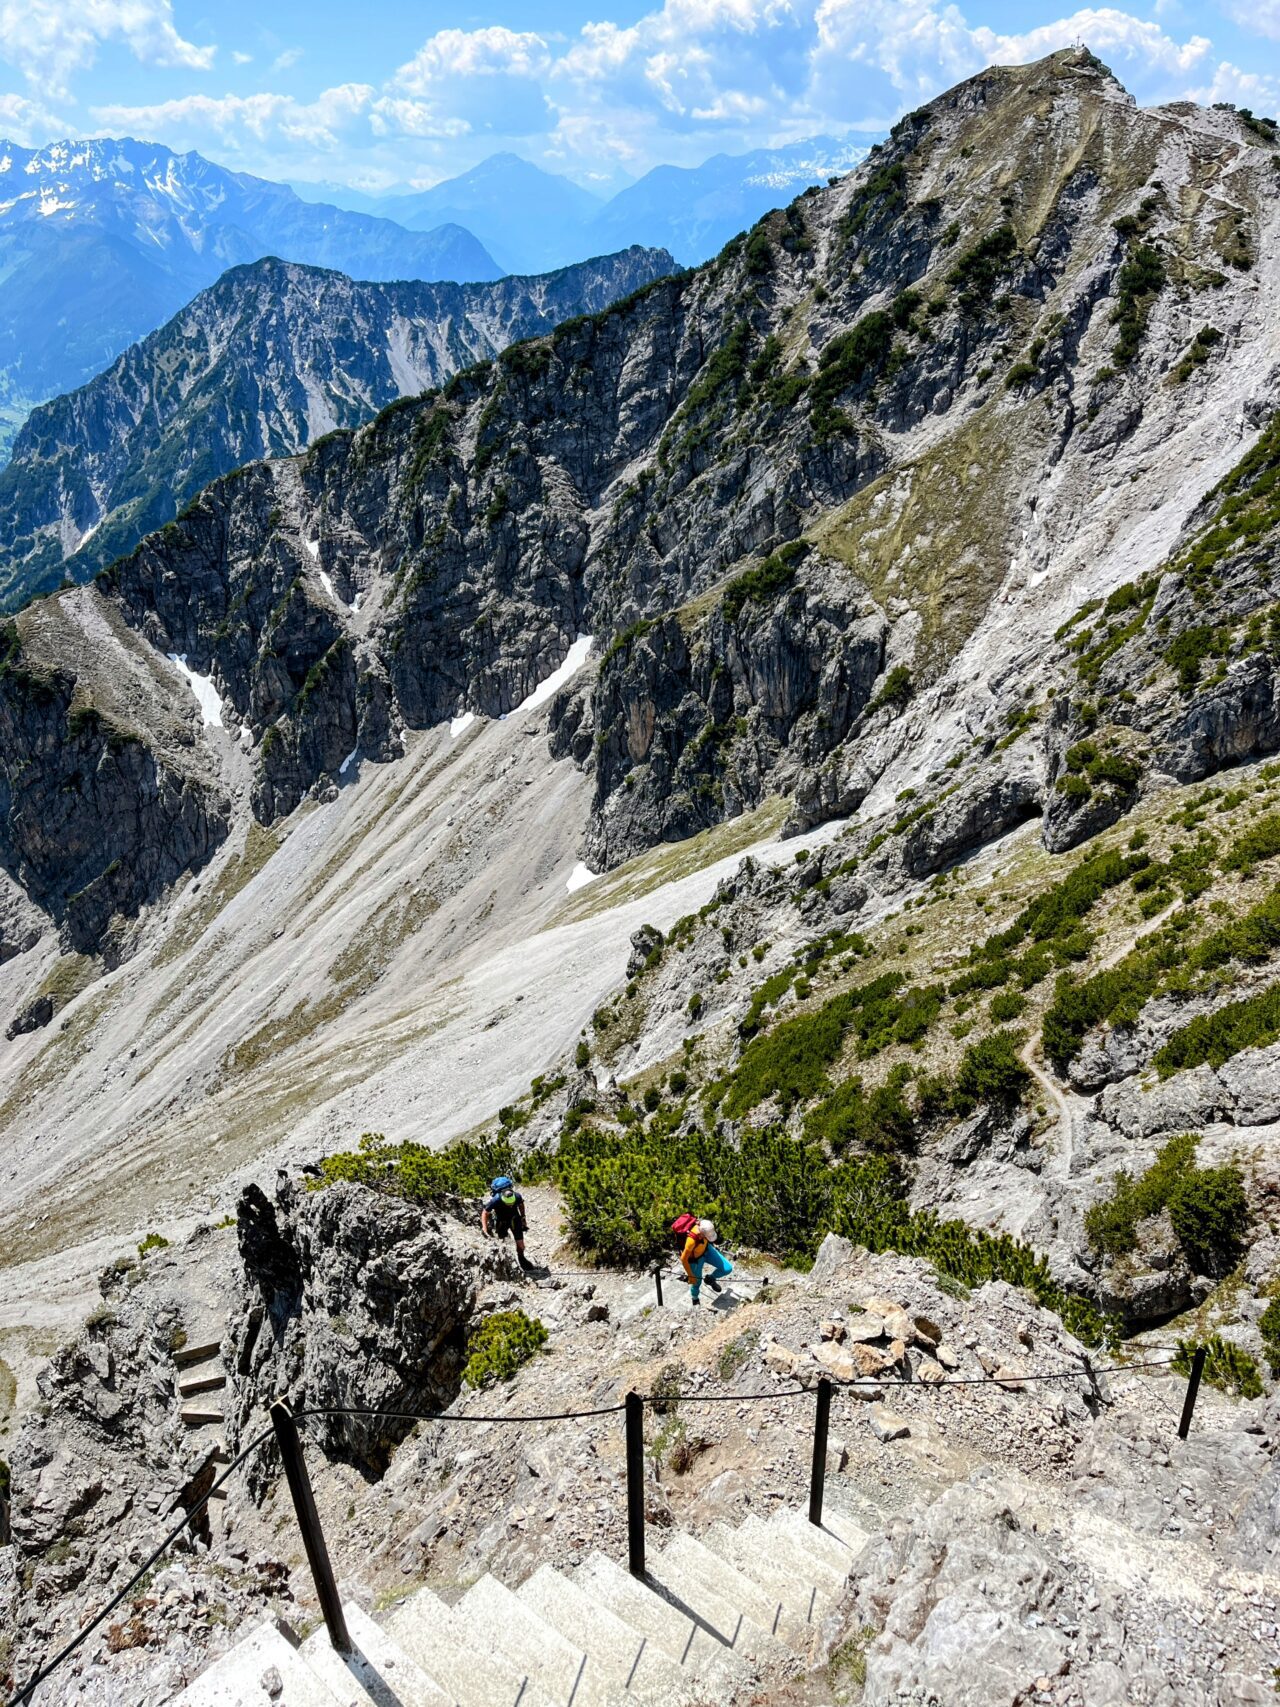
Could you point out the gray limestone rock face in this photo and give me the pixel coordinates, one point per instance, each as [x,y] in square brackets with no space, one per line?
[694,727]
[351,1300]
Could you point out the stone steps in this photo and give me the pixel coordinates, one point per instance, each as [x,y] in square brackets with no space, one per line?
[728,1612]
[378,1674]
[244,1677]
[201,1413]
[200,1350]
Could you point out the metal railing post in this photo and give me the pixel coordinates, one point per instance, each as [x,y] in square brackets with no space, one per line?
[295,1470]
[635,1484]
[657,1281]
[1193,1387]
[818,1475]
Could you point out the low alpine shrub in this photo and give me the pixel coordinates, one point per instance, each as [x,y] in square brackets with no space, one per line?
[500,1345]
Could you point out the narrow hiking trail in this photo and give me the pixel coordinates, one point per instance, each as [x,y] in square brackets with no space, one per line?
[1032,1059]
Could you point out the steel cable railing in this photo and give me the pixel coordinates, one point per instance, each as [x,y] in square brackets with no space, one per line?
[285,1433]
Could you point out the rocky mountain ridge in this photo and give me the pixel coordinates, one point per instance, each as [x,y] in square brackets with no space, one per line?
[643,462]
[103,239]
[270,358]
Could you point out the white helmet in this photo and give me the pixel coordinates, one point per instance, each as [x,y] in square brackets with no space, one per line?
[708,1231]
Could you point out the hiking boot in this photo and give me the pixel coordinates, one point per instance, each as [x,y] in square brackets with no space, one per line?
[714,1284]
[693,1299]
[527,1266]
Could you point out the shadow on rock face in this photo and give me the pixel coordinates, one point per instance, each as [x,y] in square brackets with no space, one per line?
[352,1303]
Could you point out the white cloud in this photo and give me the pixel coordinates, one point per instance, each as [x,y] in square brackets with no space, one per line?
[670,84]
[489,52]
[921,47]
[283,61]
[401,116]
[731,105]
[238,58]
[317,123]
[1242,88]
[27,122]
[1259,17]
[50,40]
[1110,33]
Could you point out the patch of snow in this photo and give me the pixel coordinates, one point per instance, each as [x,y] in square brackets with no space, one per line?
[313,546]
[202,687]
[575,658]
[328,587]
[355,603]
[579,877]
[89,533]
[460,723]
[347,763]
[246,737]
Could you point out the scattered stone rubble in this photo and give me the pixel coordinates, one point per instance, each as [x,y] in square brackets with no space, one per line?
[1029,1541]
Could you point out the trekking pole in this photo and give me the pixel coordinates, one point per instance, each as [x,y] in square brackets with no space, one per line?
[657,1281]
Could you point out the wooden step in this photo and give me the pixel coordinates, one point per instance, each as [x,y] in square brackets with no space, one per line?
[202,1382]
[200,1414]
[198,1351]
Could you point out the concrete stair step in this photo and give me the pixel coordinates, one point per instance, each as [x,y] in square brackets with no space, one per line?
[489,1613]
[699,1653]
[423,1626]
[635,1668]
[203,1381]
[198,1350]
[378,1674]
[844,1527]
[817,1542]
[745,1616]
[778,1566]
[236,1680]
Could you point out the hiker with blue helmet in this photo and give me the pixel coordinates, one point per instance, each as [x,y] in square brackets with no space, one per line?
[505,1210]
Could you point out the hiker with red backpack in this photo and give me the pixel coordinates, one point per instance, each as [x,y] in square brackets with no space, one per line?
[696,1243]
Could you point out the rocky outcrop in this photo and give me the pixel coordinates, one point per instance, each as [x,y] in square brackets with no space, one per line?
[104,820]
[693,719]
[351,1301]
[262,363]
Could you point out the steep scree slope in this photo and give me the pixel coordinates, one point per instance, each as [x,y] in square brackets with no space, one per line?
[913,419]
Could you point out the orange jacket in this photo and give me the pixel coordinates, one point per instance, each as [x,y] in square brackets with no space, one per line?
[695,1246]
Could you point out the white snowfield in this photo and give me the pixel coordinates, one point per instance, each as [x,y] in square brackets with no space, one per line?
[575,658]
[208,697]
[579,877]
[459,724]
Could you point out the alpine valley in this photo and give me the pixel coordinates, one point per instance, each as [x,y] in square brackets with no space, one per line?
[796,743]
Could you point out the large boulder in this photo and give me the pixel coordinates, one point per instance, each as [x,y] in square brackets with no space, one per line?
[352,1303]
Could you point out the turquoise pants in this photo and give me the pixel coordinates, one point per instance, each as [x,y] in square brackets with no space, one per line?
[712,1259]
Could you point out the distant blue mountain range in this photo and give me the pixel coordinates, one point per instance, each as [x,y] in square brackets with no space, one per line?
[101,241]
[529,219]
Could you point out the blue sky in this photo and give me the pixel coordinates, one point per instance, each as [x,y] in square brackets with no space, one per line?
[389,93]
